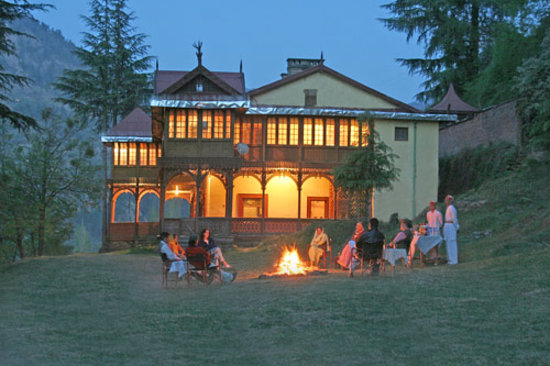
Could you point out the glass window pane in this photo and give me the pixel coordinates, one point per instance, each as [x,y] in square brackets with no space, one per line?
[115,154]
[132,154]
[237,133]
[257,137]
[293,138]
[206,124]
[227,124]
[330,132]
[354,133]
[308,129]
[247,131]
[344,132]
[171,124]
[218,124]
[318,132]
[123,153]
[364,133]
[152,154]
[271,131]
[180,124]
[192,122]
[283,128]
[143,154]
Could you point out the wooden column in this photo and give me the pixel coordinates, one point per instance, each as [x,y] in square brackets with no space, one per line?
[162,200]
[264,183]
[335,202]
[136,219]
[109,210]
[300,199]
[229,198]
[198,182]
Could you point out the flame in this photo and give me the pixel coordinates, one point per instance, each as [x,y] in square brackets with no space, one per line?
[291,263]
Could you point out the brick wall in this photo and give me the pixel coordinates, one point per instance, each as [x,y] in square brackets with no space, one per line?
[498,124]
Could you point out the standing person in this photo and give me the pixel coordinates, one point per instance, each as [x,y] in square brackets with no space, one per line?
[208,243]
[450,229]
[316,248]
[435,219]
[178,264]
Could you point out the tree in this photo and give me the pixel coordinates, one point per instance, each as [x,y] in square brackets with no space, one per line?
[369,167]
[10,11]
[533,86]
[112,81]
[454,34]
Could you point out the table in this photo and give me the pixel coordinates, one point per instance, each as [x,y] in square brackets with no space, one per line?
[425,244]
[392,255]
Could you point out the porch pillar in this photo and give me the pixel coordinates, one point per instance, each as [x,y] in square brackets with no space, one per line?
[198,182]
[335,202]
[162,200]
[229,198]
[110,217]
[300,199]
[264,183]
[136,219]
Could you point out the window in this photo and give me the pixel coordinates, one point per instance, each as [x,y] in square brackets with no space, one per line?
[123,160]
[283,131]
[257,136]
[344,132]
[250,205]
[318,132]
[317,208]
[227,124]
[132,154]
[247,130]
[171,124]
[218,124]
[354,133]
[192,123]
[237,133]
[401,134]
[308,129]
[148,154]
[206,124]
[310,97]
[271,131]
[153,154]
[330,132]
[143,154]
[364,133]
[294,127]
[180,124]
[115,154]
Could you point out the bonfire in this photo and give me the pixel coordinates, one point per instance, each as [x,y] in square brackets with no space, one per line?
[290,264]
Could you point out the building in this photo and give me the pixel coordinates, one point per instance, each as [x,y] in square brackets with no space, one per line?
[256,163]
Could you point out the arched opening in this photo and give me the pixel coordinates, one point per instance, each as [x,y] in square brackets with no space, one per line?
[148,207]
[124,207]
[317,198]
[180,196]
[214,196]
[247,197]
[283,197]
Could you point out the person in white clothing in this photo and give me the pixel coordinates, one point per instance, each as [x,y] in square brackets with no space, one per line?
[178,265]
[434,218]
[450,229]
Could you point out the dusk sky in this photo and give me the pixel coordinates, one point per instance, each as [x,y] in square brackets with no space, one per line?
[264,34]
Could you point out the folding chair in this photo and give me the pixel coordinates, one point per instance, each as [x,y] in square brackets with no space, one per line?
[165,268]
[326,259]
[199,266]
[370,253]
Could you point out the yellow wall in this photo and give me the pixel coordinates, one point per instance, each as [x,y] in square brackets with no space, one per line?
[247,185]
[215,197]
[282,197]
[400,198]
[315,187]
[331,92]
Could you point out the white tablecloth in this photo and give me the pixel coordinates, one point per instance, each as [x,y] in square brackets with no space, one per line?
[426,243]
[392,255]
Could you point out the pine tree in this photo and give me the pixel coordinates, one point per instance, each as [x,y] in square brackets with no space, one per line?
[10,11]
[112,81]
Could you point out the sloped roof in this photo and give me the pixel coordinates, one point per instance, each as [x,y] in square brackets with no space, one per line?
[451,103]
[136,124]
[337,75]
[166,78]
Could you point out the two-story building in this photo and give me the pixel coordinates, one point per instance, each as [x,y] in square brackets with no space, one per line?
[253,163]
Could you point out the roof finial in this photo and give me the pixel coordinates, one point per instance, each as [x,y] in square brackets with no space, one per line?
[241,66]
[198,46]
[322,58]
[157,64]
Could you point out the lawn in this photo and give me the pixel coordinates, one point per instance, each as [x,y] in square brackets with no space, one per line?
[492,308]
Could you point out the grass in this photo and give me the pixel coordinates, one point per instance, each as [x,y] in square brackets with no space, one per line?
[493,308]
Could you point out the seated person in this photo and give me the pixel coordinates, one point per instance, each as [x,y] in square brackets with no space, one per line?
[174,245]
[371,244]
[403,239]
[344,259]
[208,243]
[317,246]
[194,248]
[178,264]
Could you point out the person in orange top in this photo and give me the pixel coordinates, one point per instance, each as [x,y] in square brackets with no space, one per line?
[174,245]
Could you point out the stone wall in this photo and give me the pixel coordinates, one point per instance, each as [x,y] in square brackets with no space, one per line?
[498,124]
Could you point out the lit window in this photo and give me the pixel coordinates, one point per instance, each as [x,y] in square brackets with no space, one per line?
[123,153]
[180,124]
[143,154]
[318,132]
[283,128]
[159,151]
[115,154]
[330,132]
[192,122]
[293,140]
[247,126]
[171,124]
[132,154]
[401,134]
[308,129]
[227,124]
[271,131]
[257,134]
[344,132]
[218,124]
[153,154]
[237,133]
[206,125]
[364,133]
[354,133]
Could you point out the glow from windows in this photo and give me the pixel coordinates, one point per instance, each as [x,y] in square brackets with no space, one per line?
[192,123]
[123,153]
[354,133]
[257,134]
[180,124]
[171,124]
[364,133]
[344,132]
[330,132]
[294,128]
[271,131]
[282,138]
[237,132]
[132,154]
[247,126]
[227,124]
[206,124]
[218,124]
[115,154]
[143,154]
[308,129]
[318,141]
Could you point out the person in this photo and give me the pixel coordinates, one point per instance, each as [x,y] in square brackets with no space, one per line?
[209,244]
[174,245]
[344,259]
[178,264]
[369,246]
[194,247]
[317,246]
[404,237]
[450,230]
[434,219]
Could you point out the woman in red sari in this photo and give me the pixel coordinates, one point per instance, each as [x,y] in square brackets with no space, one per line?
[344,258]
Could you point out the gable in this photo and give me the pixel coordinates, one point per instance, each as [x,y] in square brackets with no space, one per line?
[200,84]
[332,89]
[220,83]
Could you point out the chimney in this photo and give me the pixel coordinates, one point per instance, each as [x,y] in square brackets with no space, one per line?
[296,65]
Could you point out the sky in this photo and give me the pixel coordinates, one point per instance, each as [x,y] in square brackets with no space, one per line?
[263,34]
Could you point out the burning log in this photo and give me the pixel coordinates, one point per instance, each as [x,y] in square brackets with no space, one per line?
[290,265]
